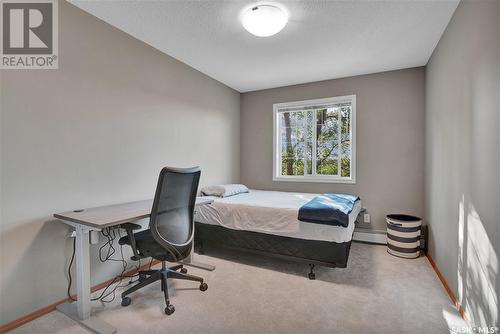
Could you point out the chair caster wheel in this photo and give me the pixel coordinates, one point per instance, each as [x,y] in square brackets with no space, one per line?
[169,309]
[184,270]
[126,301]
[203,286]
[312,276]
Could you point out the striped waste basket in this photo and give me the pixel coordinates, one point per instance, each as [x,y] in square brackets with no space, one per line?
[403,235]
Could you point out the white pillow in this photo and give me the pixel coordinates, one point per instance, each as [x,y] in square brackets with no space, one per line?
[224,190]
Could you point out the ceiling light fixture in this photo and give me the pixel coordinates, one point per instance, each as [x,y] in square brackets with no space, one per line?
[264,20]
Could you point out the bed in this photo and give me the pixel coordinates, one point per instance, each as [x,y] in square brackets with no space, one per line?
[265,222]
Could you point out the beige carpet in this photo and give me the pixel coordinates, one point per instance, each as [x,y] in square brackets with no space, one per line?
[377,293]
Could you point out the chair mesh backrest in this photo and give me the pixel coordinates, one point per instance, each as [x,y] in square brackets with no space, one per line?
[171,220]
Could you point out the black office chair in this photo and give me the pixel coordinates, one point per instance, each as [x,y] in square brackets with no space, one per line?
[170,234]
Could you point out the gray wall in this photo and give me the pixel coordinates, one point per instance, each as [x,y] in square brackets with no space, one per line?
[94,132]
[390,139]
[463,157]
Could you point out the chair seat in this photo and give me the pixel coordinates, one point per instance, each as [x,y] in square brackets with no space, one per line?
[147,246]
[145,235]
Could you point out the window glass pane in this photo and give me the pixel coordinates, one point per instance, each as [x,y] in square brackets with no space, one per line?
[327,151]
[315,139]
[345,113]
[292,125]
[309,140]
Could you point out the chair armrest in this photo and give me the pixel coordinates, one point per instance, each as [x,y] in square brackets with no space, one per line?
[129,228]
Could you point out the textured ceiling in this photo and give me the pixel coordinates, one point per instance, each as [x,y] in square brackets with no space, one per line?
[322,40]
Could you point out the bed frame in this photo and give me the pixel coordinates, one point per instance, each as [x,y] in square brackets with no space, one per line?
[313,252]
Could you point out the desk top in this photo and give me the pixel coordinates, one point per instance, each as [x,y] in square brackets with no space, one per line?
[111,215]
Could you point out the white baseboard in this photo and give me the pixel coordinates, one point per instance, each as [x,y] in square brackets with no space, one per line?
[376,237]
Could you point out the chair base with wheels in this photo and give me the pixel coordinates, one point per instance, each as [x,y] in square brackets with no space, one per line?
[144,246]
[147,277]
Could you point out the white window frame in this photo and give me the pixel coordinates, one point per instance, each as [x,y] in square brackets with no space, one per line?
[277,142]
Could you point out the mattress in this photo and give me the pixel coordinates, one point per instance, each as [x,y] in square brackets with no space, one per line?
[272,212]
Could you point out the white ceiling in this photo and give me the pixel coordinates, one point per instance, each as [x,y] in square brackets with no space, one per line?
[322,40]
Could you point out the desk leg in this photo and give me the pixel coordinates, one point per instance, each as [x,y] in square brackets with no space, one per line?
[80,310]
[189,262]
[82,273]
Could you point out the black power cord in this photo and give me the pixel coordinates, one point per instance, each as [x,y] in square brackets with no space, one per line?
[69,271]
[109,249]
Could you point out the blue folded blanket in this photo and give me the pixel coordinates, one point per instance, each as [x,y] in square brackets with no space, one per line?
[329,209]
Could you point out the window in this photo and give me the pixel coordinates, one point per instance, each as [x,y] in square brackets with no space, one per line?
[314,140]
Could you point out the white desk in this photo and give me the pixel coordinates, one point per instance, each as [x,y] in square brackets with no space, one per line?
[95,219]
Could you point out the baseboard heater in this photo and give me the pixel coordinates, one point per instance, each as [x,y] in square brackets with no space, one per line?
[371,236]
[379,236]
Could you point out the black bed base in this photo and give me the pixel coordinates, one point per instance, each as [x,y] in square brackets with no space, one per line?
[324,253]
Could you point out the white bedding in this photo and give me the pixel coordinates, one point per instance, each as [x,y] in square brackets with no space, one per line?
[272,212]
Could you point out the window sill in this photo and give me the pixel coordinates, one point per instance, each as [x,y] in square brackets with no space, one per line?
[313,180]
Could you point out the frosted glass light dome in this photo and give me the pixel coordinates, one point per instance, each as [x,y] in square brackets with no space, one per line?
[264,20]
